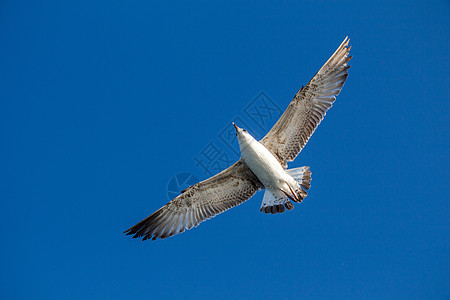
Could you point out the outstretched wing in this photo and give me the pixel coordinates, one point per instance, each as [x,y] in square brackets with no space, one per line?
[200,202]
[305,112]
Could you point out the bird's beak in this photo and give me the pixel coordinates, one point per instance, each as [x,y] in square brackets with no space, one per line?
[237,128]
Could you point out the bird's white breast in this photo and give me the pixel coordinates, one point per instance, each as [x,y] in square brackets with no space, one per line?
[265,166]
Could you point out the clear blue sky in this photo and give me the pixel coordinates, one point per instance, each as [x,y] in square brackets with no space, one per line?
[103,102]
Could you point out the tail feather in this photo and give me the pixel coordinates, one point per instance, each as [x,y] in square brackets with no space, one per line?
[289,205]
[276,204]
[273,205]
[302,175]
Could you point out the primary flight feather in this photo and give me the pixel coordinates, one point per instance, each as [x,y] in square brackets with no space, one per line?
[263,165]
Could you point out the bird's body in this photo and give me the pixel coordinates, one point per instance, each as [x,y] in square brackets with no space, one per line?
[263,164]
[266,167]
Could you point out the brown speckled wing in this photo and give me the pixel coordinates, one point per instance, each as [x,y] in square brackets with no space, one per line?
[305,112]
[200,202]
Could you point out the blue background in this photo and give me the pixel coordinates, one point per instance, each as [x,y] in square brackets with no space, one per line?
[102,102]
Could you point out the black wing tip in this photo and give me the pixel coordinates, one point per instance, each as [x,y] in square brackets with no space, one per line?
[147,237]
[134,231]
[138,232]
[137,235]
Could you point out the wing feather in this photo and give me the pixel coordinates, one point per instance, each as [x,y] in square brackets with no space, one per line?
[308,108]
[200,202]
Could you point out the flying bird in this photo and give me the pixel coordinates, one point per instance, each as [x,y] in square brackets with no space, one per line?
[263,164]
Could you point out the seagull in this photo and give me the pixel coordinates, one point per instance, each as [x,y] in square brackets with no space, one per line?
[263,164]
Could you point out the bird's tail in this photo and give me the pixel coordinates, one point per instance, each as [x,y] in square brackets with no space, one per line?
[273,204]
[303,176]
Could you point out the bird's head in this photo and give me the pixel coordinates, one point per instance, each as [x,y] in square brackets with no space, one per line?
[244,138]
[239,131]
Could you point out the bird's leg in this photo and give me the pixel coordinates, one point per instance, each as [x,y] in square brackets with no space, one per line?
[289,196]
[294,194]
